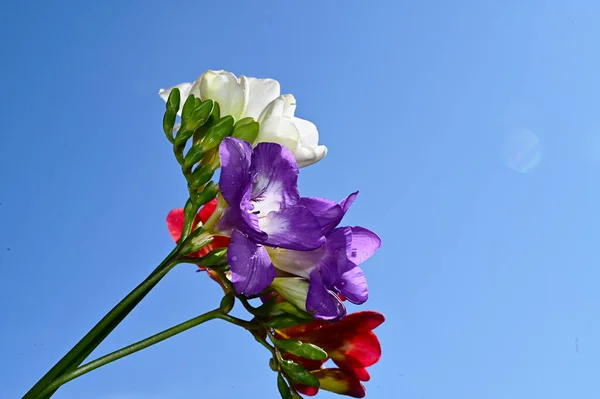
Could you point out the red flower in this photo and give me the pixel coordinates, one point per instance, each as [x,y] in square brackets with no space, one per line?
[176,218]
[350,343]
[175,221]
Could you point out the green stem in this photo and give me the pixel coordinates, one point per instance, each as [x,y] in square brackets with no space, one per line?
[249,308]
[100,331]
[238,322]
[128,350]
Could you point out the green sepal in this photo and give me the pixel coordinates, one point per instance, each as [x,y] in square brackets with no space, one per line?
[215,258]
[183,135]
[272,364]
[295,347]
[174,100]
[209,193]
[201,175]
[172,107]
[188,108]
[227,303]
[200,114]
[298,373]
[284,389]
[168,124]
[246,129]
[217,132]
[194,155]
[285,321]
[271,308]
[287,307]
[195,242]
[216,113]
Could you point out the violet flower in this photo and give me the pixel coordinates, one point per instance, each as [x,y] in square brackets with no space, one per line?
[331,269]
[261,190]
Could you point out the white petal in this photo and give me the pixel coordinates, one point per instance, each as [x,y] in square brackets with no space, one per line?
[290,106]
[306,156]
[226,89]
[273,109]
[184,91]
[309,135]
[260,93]
[278,130]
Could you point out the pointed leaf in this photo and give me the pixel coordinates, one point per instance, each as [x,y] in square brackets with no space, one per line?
[284,389]
[295,347]
[216,257]
[217,132]
[247,131]
[284,321]
[201,176]
[298,373]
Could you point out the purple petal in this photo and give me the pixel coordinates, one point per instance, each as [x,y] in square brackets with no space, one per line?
[275,178]
[364,244]
[330,259]
[353,285]
[292,228]
[321,302]
[251,267]
[328,213]
[235,169]
[346,202]
[335,261]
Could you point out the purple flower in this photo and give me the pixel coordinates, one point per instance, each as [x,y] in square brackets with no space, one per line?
[265,208]
[332,268]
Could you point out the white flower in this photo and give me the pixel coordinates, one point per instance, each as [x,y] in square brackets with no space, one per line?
[260,99]
[239,97]
[279,125]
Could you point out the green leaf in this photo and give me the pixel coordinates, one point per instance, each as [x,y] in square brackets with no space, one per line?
[247,131]
[201,175]
[285,321]
[298,373]
[284,389]
[295,347]
[217,132]
[216,257]
[296,396]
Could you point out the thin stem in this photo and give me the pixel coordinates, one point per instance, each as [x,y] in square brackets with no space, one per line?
[238,322]
[128,350]
[105,326]
[230,287]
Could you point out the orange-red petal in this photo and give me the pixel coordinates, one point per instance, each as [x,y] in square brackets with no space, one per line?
[207,210]
[361,350]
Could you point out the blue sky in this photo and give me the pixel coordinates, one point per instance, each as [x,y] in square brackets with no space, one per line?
[471,129]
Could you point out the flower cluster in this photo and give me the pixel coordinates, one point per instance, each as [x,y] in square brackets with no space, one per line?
[273,243]
[256,237]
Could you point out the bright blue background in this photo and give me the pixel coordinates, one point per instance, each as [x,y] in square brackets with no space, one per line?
[488,276]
